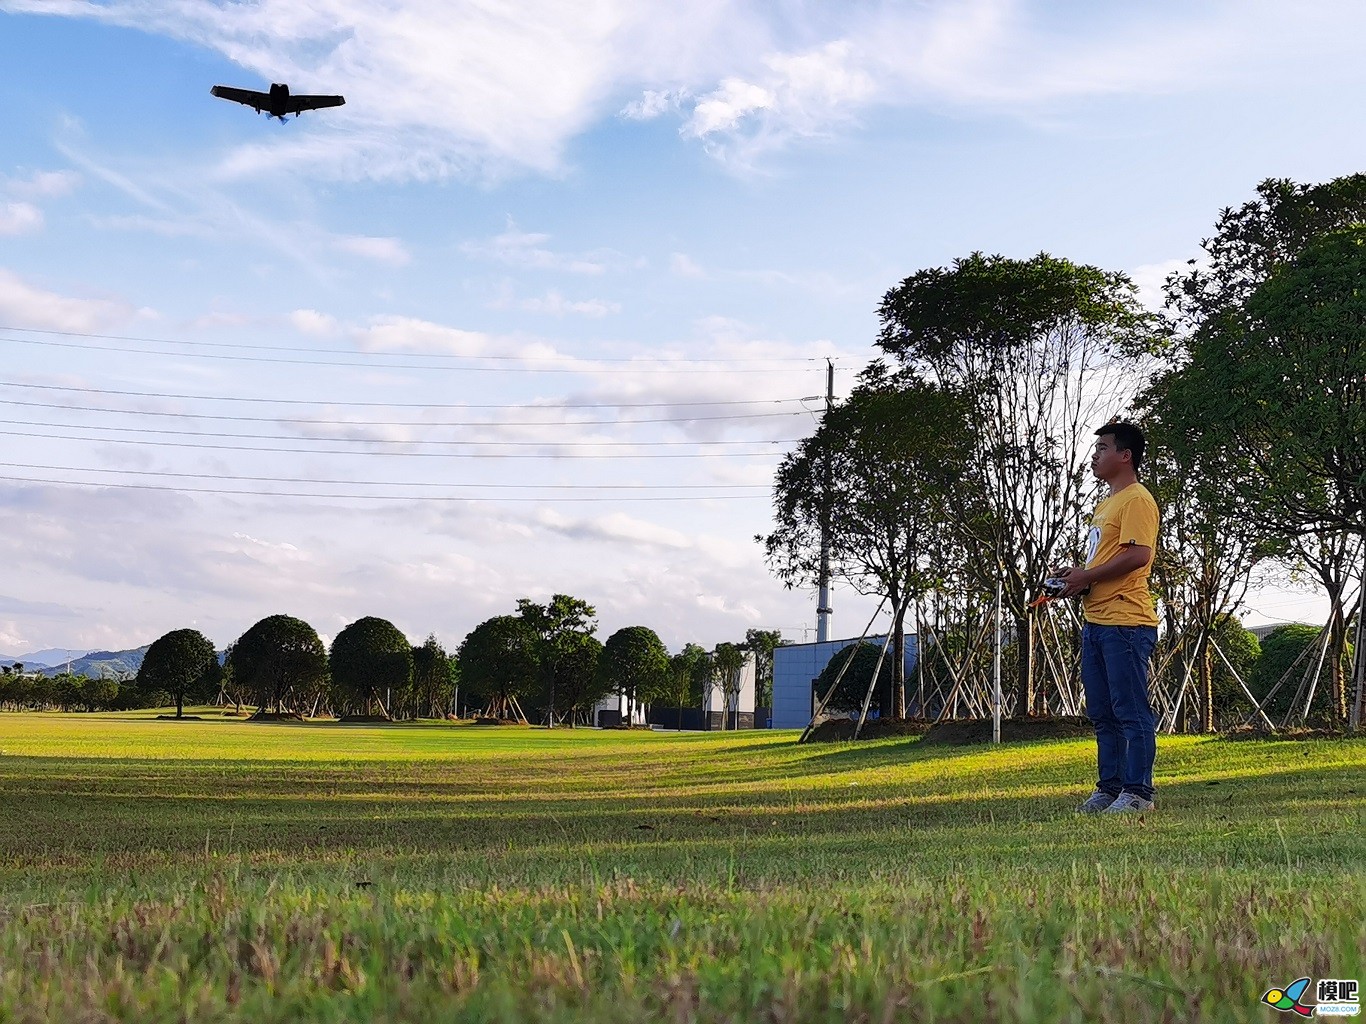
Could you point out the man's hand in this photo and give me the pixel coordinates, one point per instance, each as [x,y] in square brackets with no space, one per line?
[1076,578]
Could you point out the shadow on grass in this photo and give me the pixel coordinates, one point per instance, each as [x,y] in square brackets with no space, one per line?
[1005,816]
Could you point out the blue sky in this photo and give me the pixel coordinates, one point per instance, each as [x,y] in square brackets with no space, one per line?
[526,217]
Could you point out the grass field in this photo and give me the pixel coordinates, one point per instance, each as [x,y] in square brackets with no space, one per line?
[225,871]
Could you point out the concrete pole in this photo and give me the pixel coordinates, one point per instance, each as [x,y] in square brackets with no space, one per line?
[996,673]
[823,608]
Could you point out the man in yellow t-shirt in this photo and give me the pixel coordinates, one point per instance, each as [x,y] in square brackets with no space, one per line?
[1120,631]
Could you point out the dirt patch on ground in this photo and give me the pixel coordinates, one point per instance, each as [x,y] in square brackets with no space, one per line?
[965,731]
[498,721]
[1300,732]
[366,719]
[276,716]
[182,718]
[835,730]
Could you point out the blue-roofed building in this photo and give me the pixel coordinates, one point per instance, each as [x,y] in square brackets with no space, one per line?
[797,666]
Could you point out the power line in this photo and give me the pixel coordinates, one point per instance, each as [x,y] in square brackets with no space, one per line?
[394,405]
[401,423]
[718,365]
[384,497]
[391,454]
[426,355]
[387,440]
[381,483]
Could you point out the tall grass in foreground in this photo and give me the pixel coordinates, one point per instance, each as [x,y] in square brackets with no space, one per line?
[225,872]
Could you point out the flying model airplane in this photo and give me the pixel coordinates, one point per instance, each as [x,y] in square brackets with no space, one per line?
[278,102]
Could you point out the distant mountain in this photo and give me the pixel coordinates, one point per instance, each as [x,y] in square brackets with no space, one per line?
[49,658]
[102,664]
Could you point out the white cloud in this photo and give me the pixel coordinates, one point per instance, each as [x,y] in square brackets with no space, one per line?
[527,250]
[166,227]
[557,305]
[381,250]
[437,89]
[1150,278]
[653,104]
[43,184]
[406,334]
[682,265]
[24,305]
[310,321]
[20,218]
[614,527]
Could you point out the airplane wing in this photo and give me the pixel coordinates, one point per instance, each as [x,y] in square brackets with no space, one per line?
[298,104]
[259,100]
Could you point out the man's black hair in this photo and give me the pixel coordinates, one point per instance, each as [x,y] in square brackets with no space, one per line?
[1128,438]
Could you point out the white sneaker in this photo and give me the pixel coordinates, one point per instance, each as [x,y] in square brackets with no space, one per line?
[1096,802]
[1129,802]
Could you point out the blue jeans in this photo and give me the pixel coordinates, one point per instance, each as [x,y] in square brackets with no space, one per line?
[1114,674]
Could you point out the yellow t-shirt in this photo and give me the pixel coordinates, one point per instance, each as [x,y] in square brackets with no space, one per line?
[1129,517]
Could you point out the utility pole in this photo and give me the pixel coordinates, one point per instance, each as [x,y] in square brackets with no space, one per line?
[823,609]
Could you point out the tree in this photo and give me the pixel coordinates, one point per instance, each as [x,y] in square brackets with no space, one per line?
[854,685]
[499,663]
[728,666]
[177,662]
[280,663]
[435,678]
[1043,351]
[880,468]
[1289,367]
[1278,284]
[371,661]
[560,626]
[1243,650]
[102,694]
[635,664]
[577,684]
[1211,540]
[763,642]
[1288,657]
[686,679]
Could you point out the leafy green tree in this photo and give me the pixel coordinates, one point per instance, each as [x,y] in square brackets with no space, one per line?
[1289,367]
[435,678]
[100,694]
[1268,325]
[500,663]
[578,685]
[635,664]
[880,468]
[1043,351]
[1211,541]
[728,665]
[178,662]
[371,663]
[560,626]
[1287,658]
[280,663]
[686,679]
[763,642]
[1243,650]
[65,691]
[854,686]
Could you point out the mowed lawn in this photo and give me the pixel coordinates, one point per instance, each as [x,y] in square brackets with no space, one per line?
[227,871]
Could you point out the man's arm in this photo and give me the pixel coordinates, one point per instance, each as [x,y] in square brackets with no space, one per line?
[1130,559]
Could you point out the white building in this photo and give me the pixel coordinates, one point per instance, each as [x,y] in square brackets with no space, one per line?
[796,668]
[611,711]
[740,711]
